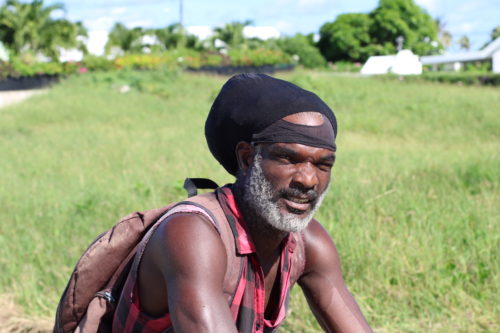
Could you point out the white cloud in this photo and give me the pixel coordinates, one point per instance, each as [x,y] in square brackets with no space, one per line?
[308,4]
[118,10]
[96,41]
[285,27]
[466,27]
[139,23]
[100,23]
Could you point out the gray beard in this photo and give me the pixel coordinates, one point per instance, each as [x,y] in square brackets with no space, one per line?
[258,202]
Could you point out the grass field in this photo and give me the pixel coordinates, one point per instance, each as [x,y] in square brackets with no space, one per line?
[414,207]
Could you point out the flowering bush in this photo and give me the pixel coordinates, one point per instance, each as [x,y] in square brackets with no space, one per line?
[258,57]
[146,61]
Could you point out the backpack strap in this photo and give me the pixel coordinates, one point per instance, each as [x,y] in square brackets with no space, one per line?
[206,205]
[193,184]
[234,261]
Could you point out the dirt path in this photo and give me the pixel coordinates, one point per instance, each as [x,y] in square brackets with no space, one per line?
[11,97]
[13,320]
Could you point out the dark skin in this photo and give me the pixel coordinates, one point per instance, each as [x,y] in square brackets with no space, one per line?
[178,260]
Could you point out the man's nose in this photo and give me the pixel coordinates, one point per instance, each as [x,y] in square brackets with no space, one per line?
[305,177]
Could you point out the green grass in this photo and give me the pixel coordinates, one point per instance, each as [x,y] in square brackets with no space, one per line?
[414,204]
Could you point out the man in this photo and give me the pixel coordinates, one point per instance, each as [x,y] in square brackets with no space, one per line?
[234,275]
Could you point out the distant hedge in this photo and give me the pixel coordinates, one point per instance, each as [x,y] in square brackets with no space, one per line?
[483,79]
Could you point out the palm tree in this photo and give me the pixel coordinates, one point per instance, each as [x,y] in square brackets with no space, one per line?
[128,40]
[29,27]
[444,35]
[464,43]
[232,33]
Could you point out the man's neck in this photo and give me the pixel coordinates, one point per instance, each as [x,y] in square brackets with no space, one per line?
[265,237]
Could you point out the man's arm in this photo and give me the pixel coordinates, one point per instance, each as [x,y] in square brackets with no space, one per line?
[191,258]
[324,287]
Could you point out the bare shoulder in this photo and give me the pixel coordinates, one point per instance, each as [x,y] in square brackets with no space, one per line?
[183,239]
[320,249]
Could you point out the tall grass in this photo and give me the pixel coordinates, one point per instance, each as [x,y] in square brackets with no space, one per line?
[414,204]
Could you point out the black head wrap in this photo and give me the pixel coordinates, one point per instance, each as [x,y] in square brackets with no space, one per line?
[249,103]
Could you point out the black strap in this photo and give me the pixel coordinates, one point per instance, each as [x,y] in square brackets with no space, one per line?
[193,184]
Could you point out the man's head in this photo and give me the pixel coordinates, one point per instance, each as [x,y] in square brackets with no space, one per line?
[248,104]
[284,183]
[283,165]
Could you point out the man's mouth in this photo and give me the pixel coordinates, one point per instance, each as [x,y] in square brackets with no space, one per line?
[297,205]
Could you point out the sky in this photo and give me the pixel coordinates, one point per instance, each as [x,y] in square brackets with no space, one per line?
[474,18]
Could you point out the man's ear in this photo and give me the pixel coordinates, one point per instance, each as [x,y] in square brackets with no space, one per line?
[244,154]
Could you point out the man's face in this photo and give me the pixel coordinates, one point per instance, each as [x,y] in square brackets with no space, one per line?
[287,182]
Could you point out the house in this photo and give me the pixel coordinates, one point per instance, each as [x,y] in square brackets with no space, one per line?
[402,63]
[492,51]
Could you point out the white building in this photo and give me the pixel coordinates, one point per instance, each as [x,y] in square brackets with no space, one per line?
[492,51]
[402,63]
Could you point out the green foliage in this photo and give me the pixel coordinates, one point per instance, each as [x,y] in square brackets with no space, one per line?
[7,70]
[231,33]
[495,33]
[175,37]
[36,68]
[302,46]
[464,43]
[259,57]
[146,61]
[460,78]
[127,40]
[394,18]
[29,26]
[354,37]
[347,38]
[345,67]
[98,63]
[478,67]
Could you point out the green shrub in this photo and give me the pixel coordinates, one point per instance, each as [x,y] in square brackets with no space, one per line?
[258,57]
[145,61]
[37,68]
[346,66]
[460,78]
[300,45]
[7,70]
[98,63]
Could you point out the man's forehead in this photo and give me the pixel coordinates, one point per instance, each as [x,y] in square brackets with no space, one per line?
[308,118]
[297,148]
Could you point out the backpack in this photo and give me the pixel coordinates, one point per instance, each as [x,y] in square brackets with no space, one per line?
[98,278]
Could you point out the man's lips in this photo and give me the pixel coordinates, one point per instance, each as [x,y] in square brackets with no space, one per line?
[300,205]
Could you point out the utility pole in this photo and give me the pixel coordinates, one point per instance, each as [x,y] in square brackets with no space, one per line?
[181,14]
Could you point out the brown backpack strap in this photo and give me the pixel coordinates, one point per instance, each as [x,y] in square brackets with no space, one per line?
[234,262]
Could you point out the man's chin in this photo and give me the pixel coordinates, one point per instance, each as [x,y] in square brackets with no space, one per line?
[291,222]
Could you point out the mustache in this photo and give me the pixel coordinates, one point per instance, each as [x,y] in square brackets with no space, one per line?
[290,192]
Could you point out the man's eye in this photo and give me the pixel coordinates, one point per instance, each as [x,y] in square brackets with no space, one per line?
[285,157]
[325,166]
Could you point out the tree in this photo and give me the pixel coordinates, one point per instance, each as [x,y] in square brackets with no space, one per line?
[175,36]
[355,37]
[128,40]
[30,27]
[495,33]
[232,33]
[444,36]
[347,38]
[394,18]
[464,43]
[303,47]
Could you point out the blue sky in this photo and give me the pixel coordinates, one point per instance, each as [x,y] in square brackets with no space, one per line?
[474,18]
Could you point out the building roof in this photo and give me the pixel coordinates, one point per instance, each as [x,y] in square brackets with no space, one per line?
[483,54]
